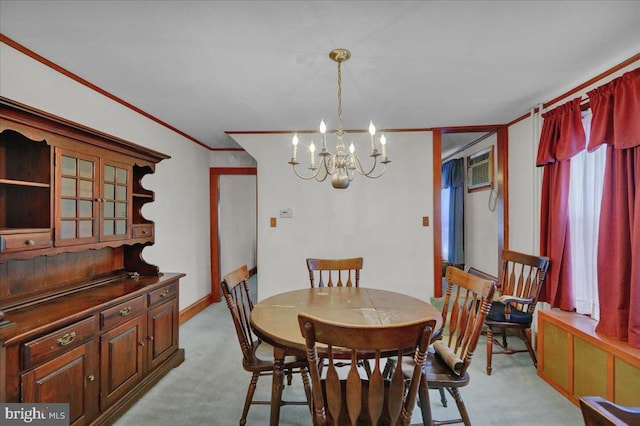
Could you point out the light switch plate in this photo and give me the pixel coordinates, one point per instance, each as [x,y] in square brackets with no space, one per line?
[288,212]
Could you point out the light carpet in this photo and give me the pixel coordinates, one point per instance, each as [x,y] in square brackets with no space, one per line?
[210,386]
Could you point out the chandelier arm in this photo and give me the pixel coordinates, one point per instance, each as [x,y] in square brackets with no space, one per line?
[323,166]
[313,176]
[359,168]
[384,168]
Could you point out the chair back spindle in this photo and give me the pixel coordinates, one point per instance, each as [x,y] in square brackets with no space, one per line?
[356,399]
[523,276]
[467,301]
[521,279]
[334,272]
[235,288]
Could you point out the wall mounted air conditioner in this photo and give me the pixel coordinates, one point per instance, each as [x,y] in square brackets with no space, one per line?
[480,170]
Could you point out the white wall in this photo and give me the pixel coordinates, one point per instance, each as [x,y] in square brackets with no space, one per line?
[480,223]
[181,183]
[380,219]
[524,188]
[237,222]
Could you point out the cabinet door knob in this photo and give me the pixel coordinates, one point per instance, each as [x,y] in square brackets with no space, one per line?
[30,242]
[151,338]
[66,339]
[91,378]
[126,311]
[141,343]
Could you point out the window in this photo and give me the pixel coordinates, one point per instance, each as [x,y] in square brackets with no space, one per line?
[585,195]
[444,205]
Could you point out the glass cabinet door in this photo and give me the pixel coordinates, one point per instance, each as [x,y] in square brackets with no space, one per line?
[116,201]
[76,203]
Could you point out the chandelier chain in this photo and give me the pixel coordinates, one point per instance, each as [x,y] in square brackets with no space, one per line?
[339,98]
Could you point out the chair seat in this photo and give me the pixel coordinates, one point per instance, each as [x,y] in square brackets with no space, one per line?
[437,372]
[263,358]
[496,314]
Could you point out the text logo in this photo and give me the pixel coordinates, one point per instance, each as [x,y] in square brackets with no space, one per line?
[53,414]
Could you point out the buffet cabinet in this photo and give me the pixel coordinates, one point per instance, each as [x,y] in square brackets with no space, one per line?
[84,319]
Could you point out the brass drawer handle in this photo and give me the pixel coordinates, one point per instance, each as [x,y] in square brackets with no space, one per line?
[165,293]
[66,339]
[126,311]
[30,243]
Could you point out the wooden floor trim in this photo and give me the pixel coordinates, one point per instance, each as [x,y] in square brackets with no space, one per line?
[194,309]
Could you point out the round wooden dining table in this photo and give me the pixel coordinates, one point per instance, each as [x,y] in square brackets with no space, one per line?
[275,319]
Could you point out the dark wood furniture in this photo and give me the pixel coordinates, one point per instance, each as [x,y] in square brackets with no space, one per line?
[521,279]
[354,400]
[275,319]
[331,272]
[257,356]
[598,411]
[85,319]
[466,303]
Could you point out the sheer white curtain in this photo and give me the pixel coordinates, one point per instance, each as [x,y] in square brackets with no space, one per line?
[585,195]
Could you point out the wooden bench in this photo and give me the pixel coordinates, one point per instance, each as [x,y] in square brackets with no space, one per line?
[577,361]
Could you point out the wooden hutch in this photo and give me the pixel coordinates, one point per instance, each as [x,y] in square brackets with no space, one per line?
[83,318]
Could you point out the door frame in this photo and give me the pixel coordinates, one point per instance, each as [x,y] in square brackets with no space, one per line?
[502,132]
[214,200]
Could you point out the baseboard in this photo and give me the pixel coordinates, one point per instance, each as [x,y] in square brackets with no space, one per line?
[194,309]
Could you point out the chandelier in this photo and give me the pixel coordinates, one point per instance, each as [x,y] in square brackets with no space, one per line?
[342,165]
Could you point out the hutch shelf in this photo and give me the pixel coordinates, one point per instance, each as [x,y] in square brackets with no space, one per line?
[84,319]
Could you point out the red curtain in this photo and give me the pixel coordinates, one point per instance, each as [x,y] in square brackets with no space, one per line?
[561,138]
[616,122]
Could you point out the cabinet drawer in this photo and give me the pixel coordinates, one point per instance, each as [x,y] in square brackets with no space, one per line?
[122,312]
[163,293]
[142,231]
[54,344]
[25,241]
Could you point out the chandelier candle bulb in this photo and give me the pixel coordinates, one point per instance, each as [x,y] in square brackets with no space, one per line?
[294,141]
[383,142]
[312,150]
[372,132]
[323,132]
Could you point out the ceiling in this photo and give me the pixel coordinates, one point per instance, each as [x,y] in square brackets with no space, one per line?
[206,67]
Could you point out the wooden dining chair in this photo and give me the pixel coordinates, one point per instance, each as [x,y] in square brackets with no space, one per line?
[521,279]
[357,399]
[257,356]
[335,272]
[466,303]
[598,411]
